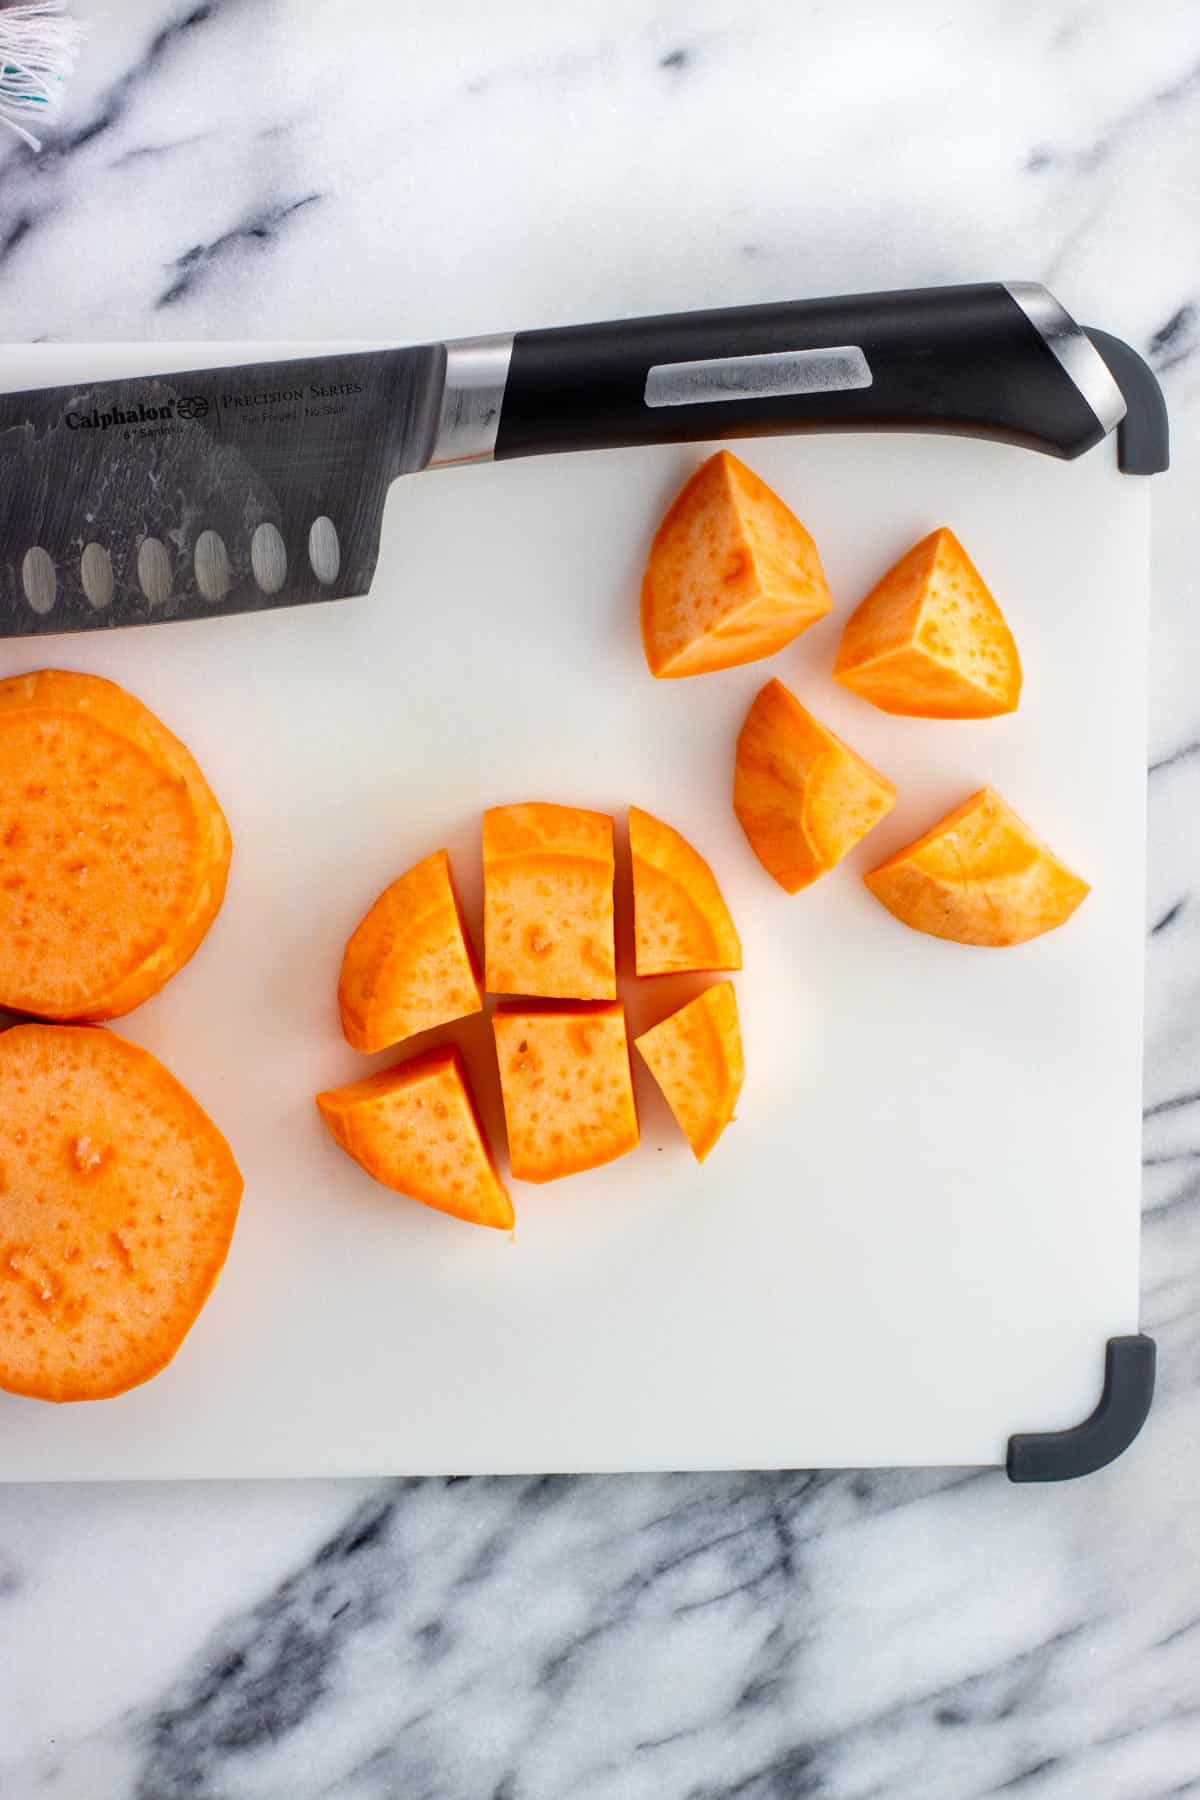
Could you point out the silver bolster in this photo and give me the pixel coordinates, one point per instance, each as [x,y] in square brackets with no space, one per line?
[476,373]
[1072,348]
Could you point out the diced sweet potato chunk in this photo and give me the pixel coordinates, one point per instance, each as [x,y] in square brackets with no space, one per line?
[804,798]
[732,574]
[548,902]
[415,1129]
[695,1056]
[408,965]
[681,921]
[980,876]
[930,641]
[567,1087]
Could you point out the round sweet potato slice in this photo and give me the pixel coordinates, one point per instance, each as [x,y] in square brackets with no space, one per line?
[113,850]
[118,1199]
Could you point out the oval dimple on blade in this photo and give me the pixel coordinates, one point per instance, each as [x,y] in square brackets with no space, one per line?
[96,574]
[214,576]
[154,571]
[39,579]
[324,551]
[268,558]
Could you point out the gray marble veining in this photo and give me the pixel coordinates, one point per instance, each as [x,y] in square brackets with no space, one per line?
[270,165]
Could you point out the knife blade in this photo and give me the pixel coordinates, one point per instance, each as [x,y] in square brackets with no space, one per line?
[211,491]
[139,500]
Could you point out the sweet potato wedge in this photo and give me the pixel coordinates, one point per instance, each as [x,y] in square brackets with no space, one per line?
[804,798]
[118,1199]
[732,574]
[979,876]
[929,640]
[408,964]
[567,1087]
[415,1129]
[113,850]
[695,1055]
[548,902]
[680,920]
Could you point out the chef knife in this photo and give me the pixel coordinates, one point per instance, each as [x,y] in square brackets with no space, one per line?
[181,496]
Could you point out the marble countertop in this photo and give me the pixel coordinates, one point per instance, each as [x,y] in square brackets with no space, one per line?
[275,167]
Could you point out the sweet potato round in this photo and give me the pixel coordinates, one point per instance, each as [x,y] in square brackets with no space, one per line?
[118,1199]
[113,850]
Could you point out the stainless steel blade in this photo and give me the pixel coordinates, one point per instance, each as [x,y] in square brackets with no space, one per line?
[128,501]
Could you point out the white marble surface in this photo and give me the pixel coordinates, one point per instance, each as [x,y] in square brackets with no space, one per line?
[424,169]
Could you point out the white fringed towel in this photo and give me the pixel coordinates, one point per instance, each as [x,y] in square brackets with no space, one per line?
[38,43]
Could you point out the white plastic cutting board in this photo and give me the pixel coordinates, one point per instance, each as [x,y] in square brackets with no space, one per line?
[924,1224]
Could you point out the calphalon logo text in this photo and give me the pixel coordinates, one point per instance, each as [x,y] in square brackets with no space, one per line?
[193,407]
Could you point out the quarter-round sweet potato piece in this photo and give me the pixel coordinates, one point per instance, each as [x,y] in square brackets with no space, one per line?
[680,920]
[118,1199]
[732,574]
[415,1128]
[548,902]
[113,850]
[804,798]
[980,876]
[409,964]
[929,640]
[567,1087]
[695,1055]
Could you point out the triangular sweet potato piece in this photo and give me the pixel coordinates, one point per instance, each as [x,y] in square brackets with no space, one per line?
[695,1055]
[732,574]
[930,641]
[803,797]
[414,1127]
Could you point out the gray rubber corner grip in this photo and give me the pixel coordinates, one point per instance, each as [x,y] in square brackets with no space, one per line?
[1144,434]
[1122,1410]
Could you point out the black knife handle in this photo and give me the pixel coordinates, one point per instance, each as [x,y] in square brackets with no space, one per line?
[991,361]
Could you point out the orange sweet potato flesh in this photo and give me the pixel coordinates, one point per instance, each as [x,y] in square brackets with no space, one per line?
[113,850]
[803,797]
[415,1128]
[929,640]
[980,876]
[732,575]
[680,920]
[695,1056]
[567,1087]
[409,964]
[118,1199]
[548,902]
